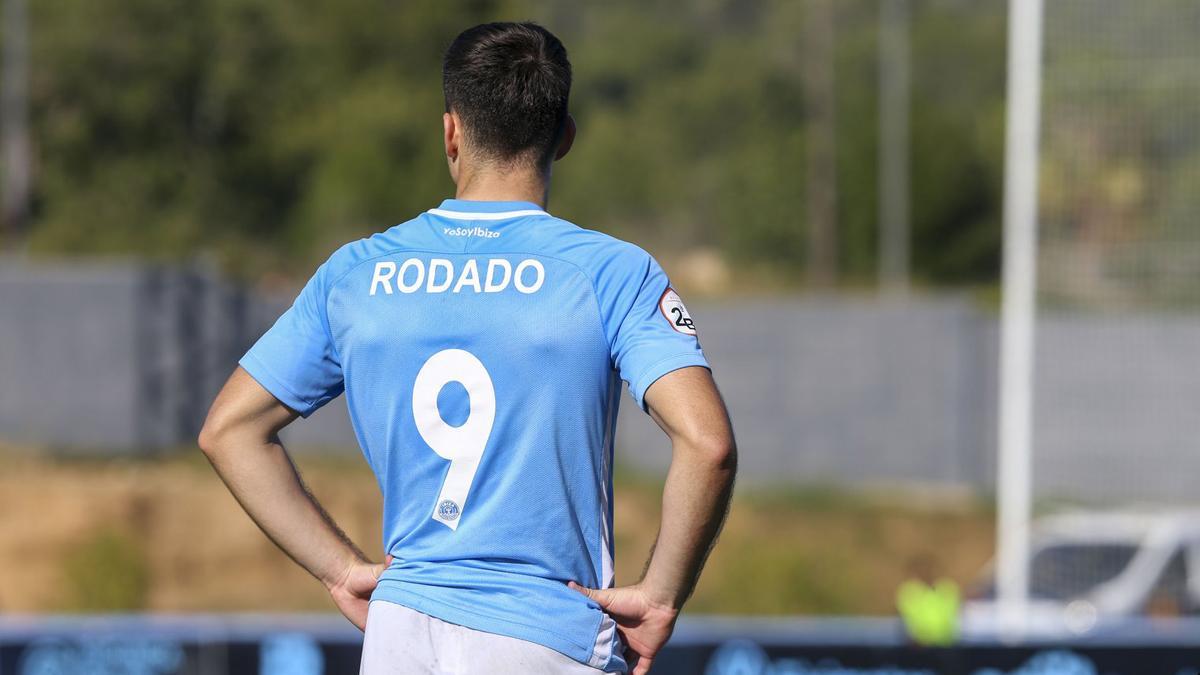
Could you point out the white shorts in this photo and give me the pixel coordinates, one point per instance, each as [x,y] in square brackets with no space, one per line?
[401,641]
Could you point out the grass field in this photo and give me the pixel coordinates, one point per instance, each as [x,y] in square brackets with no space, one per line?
[164,535]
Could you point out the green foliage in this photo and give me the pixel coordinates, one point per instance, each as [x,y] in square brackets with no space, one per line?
[958,141]
[107,572]
[269,132]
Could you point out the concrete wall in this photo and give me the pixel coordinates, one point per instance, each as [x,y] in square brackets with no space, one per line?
[126,357]
[69,340]
[1118,407]
[834,391]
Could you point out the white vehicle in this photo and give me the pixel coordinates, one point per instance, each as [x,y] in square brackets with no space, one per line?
[1089,570]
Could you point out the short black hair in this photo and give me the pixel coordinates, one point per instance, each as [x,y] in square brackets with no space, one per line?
[509,84]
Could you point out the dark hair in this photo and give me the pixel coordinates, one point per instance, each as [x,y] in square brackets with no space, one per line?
[509,84]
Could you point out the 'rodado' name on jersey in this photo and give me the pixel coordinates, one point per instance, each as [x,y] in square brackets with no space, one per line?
[441,276]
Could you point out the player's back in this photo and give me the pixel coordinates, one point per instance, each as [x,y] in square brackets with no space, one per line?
[481,347]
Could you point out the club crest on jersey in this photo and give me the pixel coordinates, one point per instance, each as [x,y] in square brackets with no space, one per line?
[671,306]
[448,510]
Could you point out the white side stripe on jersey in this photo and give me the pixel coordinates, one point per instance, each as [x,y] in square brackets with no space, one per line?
[504,215]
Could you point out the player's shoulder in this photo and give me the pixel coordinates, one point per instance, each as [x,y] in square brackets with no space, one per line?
[351,254]
[597,252]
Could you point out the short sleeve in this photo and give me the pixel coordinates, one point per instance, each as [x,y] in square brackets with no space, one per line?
[295,360]
[656,335]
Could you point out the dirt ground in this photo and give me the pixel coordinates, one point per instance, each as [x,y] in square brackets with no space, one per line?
[164,535]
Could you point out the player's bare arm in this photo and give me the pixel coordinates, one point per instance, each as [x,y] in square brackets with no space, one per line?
[241,439]
[687,406]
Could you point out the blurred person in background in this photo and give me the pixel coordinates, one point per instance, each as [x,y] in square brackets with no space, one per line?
[929,604]
[481,347]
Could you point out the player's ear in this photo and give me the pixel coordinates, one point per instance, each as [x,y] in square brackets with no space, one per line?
[451,135]
[568,139]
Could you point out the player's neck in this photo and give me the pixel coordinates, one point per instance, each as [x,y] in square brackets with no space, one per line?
[508,186]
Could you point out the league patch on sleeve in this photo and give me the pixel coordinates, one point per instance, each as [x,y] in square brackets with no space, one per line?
[676,314]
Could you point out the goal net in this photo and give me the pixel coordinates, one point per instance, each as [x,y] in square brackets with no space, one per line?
[1117,381]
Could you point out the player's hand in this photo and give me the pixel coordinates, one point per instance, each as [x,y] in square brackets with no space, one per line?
[352,594]
[645,624]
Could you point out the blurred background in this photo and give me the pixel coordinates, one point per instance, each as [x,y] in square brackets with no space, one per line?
[824,181]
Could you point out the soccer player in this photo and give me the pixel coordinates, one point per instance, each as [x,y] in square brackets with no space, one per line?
[481,348]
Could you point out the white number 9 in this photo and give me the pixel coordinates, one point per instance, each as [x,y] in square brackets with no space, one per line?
[462,445]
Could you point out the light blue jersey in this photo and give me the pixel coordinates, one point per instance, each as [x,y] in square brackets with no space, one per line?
[481,347]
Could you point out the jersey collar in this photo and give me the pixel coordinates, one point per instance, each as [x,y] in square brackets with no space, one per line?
[463,209]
